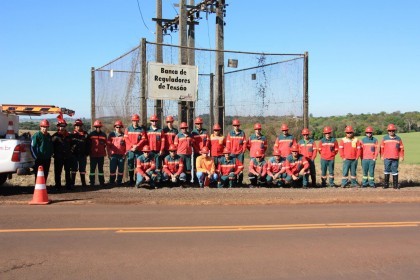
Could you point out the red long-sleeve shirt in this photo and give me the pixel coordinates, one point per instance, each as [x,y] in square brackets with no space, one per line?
[236,142]
[308,149]
[328,148]
[217,143]
[258,168]
[392,148]
[349,148]
[173,165]
[294,166]
[184,144]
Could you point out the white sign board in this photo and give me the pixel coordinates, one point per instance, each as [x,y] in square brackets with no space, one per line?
[172,82]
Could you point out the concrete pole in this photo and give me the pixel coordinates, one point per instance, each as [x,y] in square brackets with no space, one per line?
[143,101]
[159,56]
[219,67]
[191,61]
[183,59]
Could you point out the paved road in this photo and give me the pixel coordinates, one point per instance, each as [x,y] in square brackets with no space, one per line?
[360,241]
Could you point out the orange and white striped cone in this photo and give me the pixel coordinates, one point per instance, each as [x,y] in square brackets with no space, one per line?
[40,193]
[10,134]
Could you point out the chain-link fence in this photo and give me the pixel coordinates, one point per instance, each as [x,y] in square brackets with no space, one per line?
[266,88]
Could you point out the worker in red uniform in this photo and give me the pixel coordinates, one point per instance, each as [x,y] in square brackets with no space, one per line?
[236,143]
[369,154]
[297,169]
[156,140]
[169,133]
[97,148]
[173,167]
[328,149]
[392,151]
[201,138]
[350,151]
[229,169]
[284,141]
[257,170]
[307,148]
[146,169]
[217,143]
[116,150]
[184,143]
[276,171]
[257,141]
[135,139]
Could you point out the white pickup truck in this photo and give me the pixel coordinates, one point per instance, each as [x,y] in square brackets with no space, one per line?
[15,150]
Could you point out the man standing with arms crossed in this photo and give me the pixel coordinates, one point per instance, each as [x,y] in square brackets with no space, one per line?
[328,149]
[392,151]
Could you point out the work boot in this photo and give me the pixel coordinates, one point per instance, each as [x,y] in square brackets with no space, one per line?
[83,179]
[131,175]
[395,182]
[73,179]
[386,185]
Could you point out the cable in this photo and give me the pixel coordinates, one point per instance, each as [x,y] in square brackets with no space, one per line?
[173,7]
[141,14]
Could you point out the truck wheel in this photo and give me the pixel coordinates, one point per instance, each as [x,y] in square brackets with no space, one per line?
[3,178]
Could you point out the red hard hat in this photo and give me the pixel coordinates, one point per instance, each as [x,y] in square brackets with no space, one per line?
[135,117]
[349,128]
[118,123]
[327,129]
[369,129]
[276,152]
[257,126]
[169,119]
[391,127]
[198,120]
[146,148]
[97,123]
[172,147]
[78,122]
[284,127]
[204,150]
[226,151]
[236,122]
[44,123]
[154,118]
[305,131]
[217,127]
[183,125]
[62,122]
[259,153]
[294,148]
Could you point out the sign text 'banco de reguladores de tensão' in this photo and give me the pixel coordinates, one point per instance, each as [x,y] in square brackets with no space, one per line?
[172,81]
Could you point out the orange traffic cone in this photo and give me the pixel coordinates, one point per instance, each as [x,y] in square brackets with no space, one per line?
[10,134]
[40,192]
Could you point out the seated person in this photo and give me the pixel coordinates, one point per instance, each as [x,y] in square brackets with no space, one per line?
[297,169]
[205,168]
[173,167]
[276,172]
[257,169]
[229,170]
[145,169]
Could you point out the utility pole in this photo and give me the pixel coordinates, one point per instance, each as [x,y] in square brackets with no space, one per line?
[191,61]
[159,57]
[219,67]
[183,59]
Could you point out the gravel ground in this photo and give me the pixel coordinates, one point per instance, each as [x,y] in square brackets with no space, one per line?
[210,196]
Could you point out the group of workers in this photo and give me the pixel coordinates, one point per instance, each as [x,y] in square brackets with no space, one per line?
[157,156]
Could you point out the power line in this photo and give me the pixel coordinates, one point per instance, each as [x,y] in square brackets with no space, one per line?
[141,14]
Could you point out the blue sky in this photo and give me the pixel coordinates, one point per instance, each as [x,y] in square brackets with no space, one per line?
[363,55]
